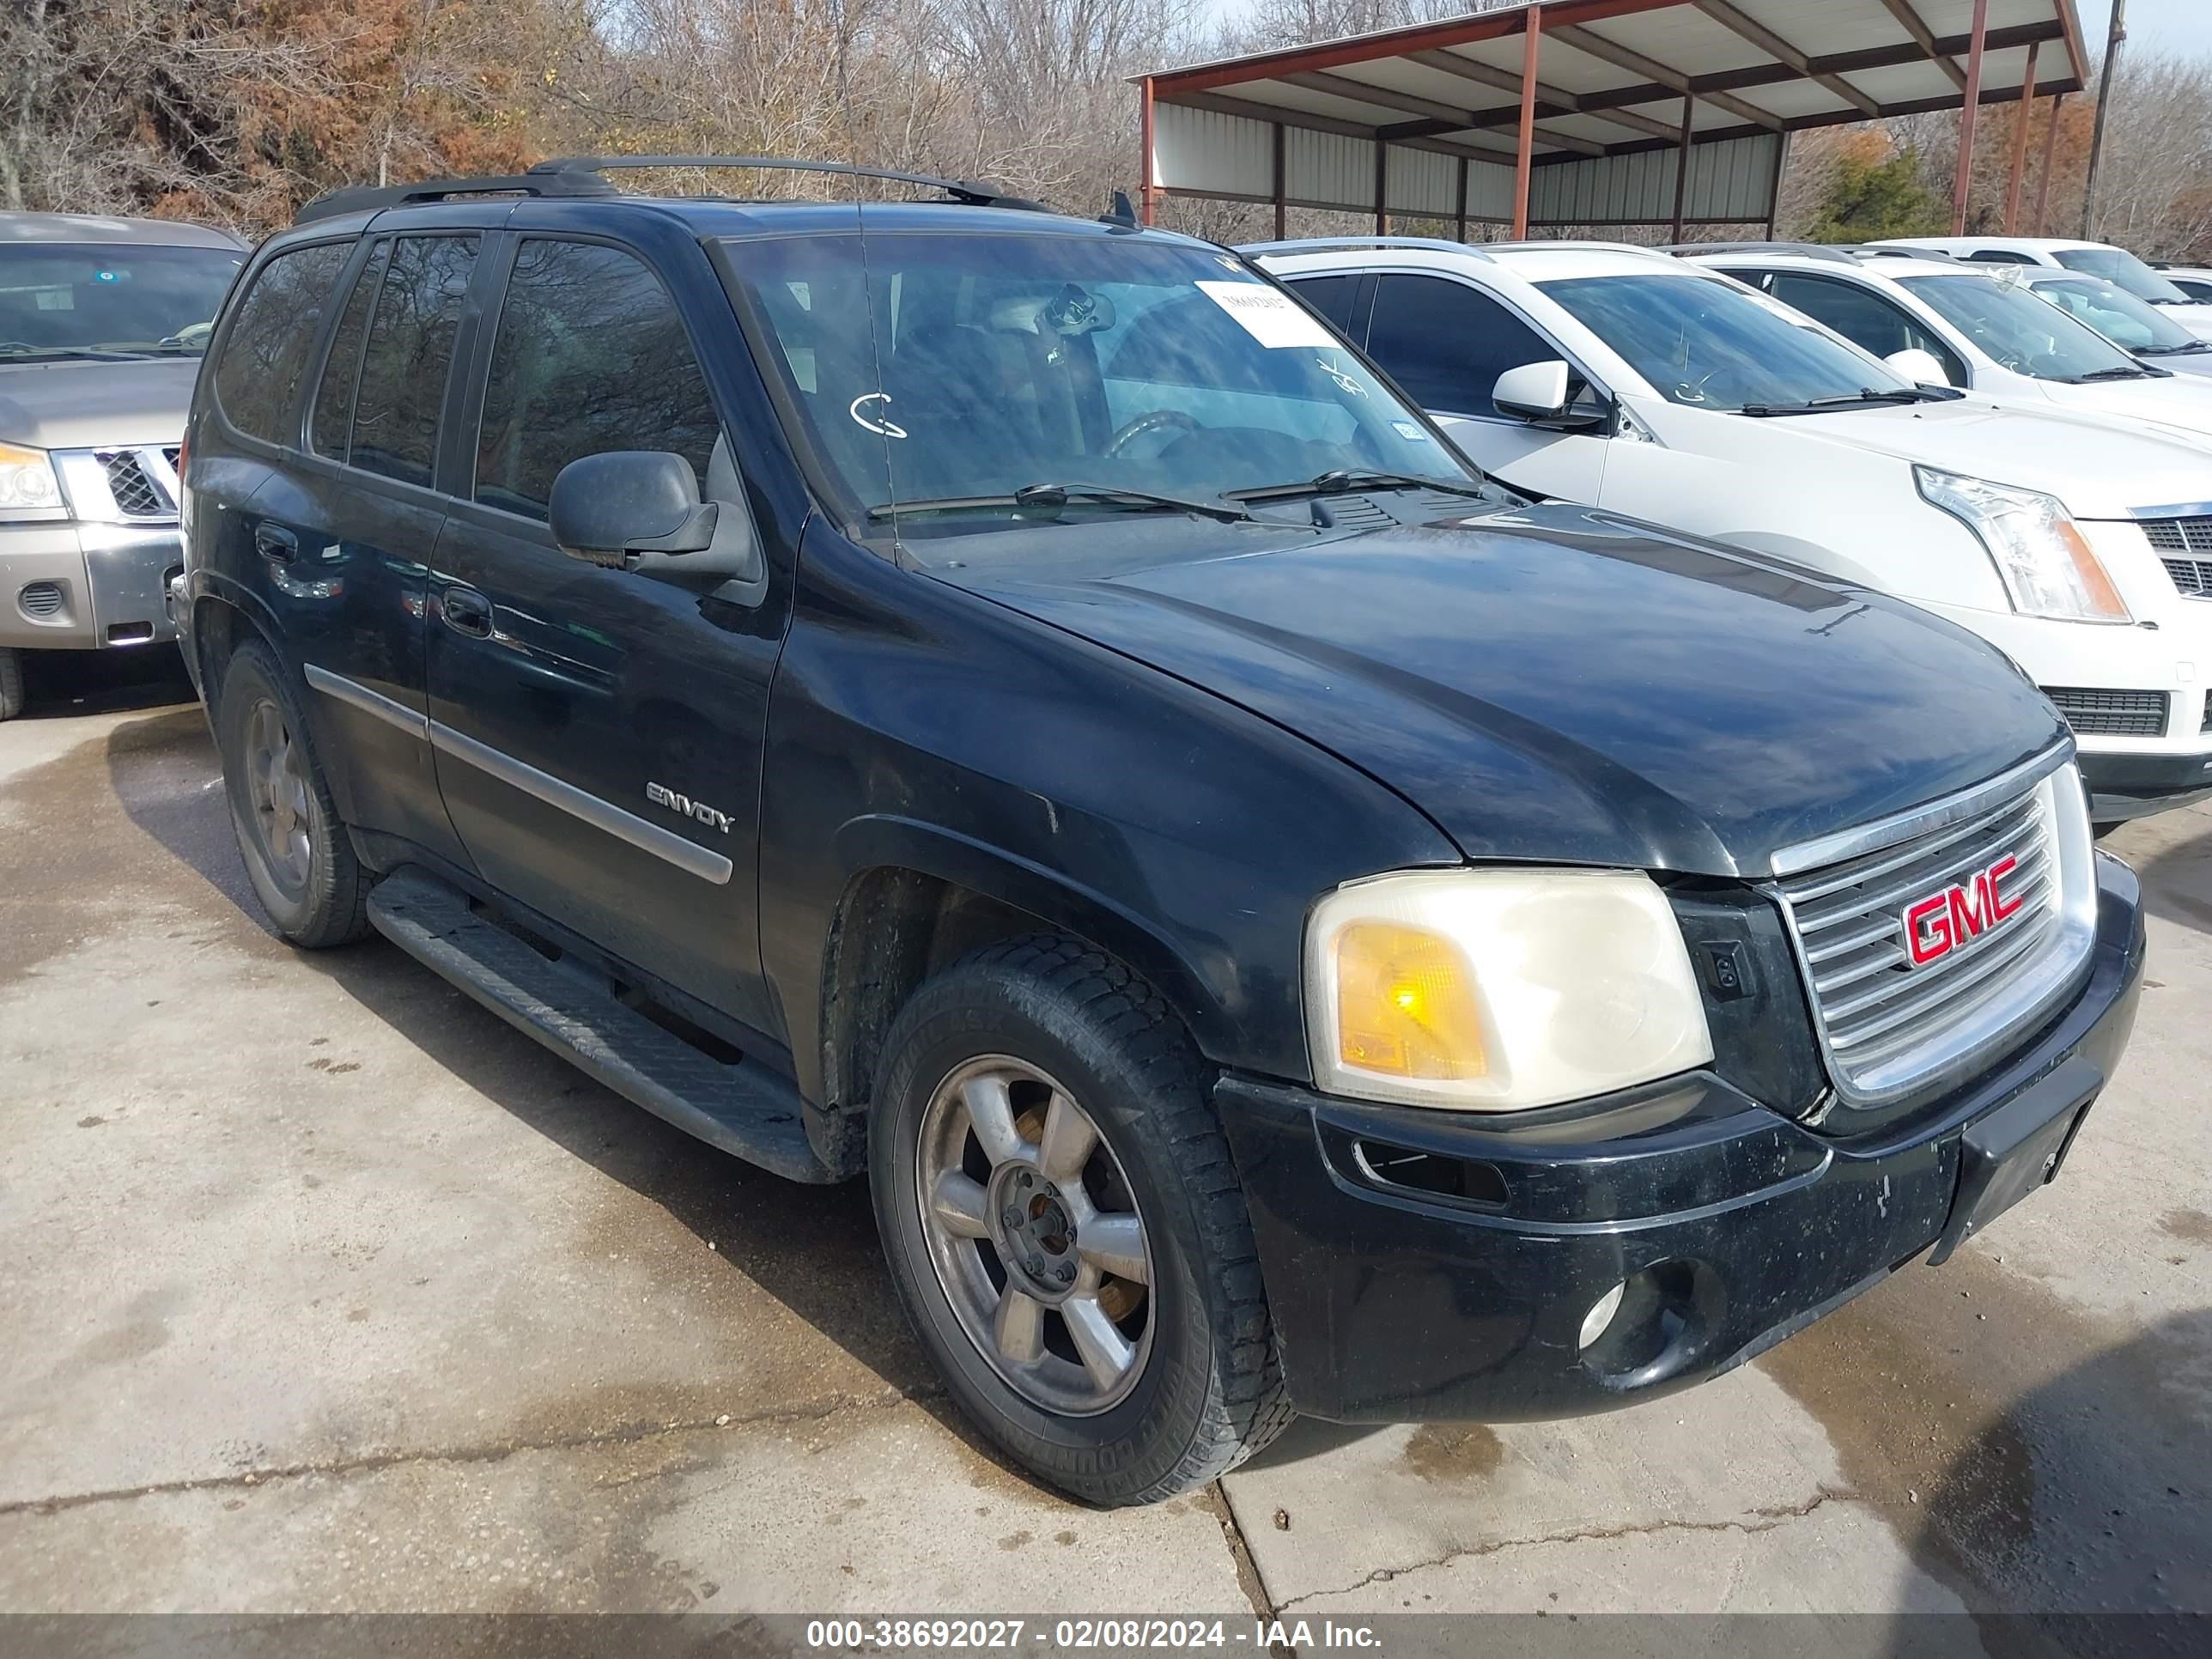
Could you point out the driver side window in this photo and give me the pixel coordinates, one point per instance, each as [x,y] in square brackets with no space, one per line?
[1867,319]
[1446,343]
[591,357]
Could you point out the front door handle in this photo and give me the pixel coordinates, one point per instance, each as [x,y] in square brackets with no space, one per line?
[467,611]
[274,542]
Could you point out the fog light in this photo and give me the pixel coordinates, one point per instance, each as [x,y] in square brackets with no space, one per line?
[1600,1315]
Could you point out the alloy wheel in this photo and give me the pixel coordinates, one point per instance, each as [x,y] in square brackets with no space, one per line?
[277,789]
[1036,1237]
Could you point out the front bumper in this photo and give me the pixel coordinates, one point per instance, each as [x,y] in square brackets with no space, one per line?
[1463,1295]
[68,586]
[2134,786]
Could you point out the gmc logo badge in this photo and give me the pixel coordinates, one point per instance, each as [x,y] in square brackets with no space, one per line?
[1939,923]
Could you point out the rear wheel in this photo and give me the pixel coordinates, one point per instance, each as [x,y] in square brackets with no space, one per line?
[294,845]
[11,683]
[1065,1226]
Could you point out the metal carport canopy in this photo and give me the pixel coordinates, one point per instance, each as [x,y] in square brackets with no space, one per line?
[1579,112]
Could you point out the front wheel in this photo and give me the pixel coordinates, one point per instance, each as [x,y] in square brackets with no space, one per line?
[1065,1226]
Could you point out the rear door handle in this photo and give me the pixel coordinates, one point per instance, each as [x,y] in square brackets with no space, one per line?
[467,611]
[273,541]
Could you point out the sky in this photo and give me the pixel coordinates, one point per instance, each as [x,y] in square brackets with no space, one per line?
[2169,25]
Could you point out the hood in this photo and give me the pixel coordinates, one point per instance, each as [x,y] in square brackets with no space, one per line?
[2100,466]
[1557,683]
[2196,319]
[2179,406]
[88,405]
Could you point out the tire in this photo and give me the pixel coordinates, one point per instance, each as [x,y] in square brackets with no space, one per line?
[1077,1043]
[297,853]
[11,683]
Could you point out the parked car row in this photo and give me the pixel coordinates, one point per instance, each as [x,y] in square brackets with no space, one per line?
[1025,710]
[2003,468]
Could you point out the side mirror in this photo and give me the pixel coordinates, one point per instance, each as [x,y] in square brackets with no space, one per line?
[610,509]
[1920,367]
[1534,391]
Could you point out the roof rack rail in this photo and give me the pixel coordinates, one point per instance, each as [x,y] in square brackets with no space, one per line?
[371,198]
[1351,243]
[583,176]
[1833,252]
[972,192]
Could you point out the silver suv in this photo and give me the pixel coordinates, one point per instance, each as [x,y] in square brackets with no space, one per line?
[102,324]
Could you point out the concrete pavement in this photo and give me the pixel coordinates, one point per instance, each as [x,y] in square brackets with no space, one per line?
[325,1291]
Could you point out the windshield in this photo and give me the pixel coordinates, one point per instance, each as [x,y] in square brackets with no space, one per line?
[1716,346]
[64,300]
[2117,266]
[941,375]
[2018,330]
[2115,314]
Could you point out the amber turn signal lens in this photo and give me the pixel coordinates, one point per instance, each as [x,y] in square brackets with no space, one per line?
[2102,598]
[1405,1004]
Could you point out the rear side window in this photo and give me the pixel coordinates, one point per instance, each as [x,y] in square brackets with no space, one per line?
[265,356]
[591,357]
[1999,256]
[1332,296]
[410,353]
[1447,343]
[330,430]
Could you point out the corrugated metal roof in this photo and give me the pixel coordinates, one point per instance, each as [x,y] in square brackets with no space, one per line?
[1610,75]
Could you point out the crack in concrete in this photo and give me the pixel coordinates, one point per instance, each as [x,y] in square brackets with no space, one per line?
[633,1433]
[1214,1500]
[1764,1519]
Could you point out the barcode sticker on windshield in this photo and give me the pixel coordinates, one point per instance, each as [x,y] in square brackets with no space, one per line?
[1267,314]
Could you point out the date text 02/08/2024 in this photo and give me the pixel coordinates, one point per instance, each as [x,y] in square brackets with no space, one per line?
[893,1635]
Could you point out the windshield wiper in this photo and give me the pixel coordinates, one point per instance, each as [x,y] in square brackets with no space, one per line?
[1060,495]
[16,348]
[2187,348]
[1847,400]
[2116,372]
[1344,483]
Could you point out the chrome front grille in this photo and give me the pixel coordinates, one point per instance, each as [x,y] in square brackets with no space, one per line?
[1891,1025]
[2179,535]
[130,482]
[2174,540]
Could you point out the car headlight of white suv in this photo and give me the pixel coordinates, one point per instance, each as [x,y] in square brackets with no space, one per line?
[2041,555]
[1499,989]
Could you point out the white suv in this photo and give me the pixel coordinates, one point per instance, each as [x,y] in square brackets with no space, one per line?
[2114,264]
[1628,380]
[1984,329]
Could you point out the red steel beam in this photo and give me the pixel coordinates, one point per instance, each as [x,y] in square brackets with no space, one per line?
[1397,43]
[1682,163]
[1145,150]
[2050,155]
[2020,144]
[1532,25]
[1964,179]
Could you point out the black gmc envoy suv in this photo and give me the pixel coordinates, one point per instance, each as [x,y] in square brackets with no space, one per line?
[1017,707]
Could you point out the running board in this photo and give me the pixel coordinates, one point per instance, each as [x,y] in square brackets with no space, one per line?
[745,1108]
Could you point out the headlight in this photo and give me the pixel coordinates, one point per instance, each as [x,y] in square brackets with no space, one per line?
[2046,565]
[1499,989]
[27,483]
